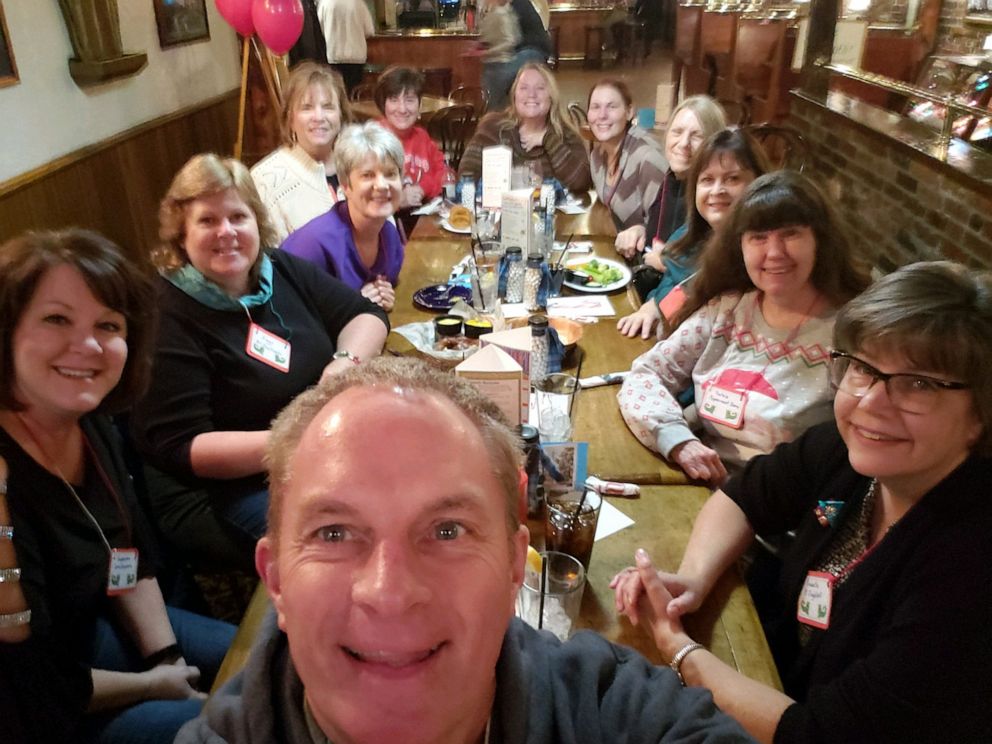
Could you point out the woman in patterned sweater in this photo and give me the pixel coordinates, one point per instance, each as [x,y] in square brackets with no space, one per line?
[627,164]
[753,336]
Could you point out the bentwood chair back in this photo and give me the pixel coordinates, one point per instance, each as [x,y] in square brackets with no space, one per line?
[452,128]
[578,114]
[363,92]
[785,147]
[472,94]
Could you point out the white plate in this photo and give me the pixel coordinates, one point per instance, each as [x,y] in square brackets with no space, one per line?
[460,230]
[622,282]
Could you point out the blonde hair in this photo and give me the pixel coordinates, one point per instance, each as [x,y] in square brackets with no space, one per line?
[301,77]
[204,175]
[558,120]
[710,114]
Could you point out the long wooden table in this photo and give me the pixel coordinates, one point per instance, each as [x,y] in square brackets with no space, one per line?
[614,453]
[727,622]
[429,106]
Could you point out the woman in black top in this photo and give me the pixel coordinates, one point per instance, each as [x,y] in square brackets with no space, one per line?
[86,643]
[879,615]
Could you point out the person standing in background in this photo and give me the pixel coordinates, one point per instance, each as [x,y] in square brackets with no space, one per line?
[346,24]
[499,32]
[311,44]
[535,42]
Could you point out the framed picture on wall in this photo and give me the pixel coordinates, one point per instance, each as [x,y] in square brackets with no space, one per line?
[8,69]
[980,12]
[181,21]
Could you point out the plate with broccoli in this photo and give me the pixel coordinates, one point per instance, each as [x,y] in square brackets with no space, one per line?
[596,274]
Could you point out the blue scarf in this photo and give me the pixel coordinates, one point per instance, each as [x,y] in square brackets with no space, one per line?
[204,291]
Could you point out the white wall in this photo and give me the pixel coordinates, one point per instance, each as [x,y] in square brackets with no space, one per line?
[47,115]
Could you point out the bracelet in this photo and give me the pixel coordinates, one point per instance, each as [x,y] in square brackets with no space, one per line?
[168,655]
[345,354]
[676,663]
[9,575]
[14,619]
[6,532]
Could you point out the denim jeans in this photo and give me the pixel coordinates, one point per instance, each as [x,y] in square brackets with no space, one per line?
[247,514]
[203,641]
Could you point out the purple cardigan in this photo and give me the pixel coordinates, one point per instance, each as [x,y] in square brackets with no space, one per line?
[327,241]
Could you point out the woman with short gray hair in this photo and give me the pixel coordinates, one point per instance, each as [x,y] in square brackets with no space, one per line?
[356,241]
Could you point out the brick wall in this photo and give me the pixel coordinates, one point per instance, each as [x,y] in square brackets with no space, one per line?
[954,35]
[902,204]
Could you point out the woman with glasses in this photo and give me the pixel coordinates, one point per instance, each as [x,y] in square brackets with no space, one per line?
[879,621]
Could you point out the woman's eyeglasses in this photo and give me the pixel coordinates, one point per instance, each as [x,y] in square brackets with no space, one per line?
[908,392]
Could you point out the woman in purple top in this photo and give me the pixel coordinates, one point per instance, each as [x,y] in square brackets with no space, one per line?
[355,241]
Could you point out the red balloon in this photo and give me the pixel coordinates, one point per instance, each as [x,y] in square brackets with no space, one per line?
[238,14]
[279,23]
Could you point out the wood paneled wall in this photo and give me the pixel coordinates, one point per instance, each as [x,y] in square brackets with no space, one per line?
[114,186]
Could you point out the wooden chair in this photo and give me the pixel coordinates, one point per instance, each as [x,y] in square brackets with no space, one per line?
[754,74]
[785,147]
[363,92]
[471,94]
[578,115]
[452,128]
[738,112]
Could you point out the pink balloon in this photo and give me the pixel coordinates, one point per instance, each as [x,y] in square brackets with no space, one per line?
[279,23]
[238,14]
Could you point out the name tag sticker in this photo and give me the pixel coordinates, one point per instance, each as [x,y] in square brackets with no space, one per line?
[123,575]
[723,406]
[815,600]
[268,348]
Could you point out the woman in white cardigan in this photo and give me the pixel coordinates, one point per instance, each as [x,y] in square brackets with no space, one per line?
[298,181]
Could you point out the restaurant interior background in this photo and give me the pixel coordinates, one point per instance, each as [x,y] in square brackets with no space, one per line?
[100,154]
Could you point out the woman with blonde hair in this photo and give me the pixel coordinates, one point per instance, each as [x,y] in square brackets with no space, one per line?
[298,181]
[536,129]
[244,330]
[692,122]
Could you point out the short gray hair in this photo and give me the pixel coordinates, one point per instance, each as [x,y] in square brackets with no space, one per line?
[358,141]
[938,316]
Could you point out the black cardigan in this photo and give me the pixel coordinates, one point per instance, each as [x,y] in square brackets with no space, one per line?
[909,648]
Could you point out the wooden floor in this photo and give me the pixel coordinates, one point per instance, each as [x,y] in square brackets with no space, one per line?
[642,79]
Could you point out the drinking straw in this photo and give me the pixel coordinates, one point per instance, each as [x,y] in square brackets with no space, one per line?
[575,389]
[564,250]
[475,262]
[544,588]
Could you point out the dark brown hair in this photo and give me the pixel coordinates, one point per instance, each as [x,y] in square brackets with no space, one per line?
[395,81]
[114,280]
[773,201]
[618,85]
[739,145]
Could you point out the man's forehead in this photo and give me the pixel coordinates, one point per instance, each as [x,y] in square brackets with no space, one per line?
[372,410]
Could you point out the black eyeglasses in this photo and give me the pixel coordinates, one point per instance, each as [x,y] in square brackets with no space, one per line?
[908,392]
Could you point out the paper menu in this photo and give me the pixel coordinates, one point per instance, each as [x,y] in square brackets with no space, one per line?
[515,221]
[497,376]
[497,163]
[516,343]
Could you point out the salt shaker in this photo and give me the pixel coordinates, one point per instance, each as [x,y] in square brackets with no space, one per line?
[539,343]
[514,274]
[532,282]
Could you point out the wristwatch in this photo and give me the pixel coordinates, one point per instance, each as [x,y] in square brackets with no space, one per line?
[345,354]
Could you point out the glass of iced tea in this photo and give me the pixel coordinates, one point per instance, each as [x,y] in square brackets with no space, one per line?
[571,523]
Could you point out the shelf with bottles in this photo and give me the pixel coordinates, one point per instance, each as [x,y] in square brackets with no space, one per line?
[968,80]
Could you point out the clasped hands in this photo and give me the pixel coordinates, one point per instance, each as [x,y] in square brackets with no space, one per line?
[381,292]
[658,600]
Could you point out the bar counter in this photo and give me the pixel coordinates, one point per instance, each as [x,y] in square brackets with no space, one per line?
[430,48]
